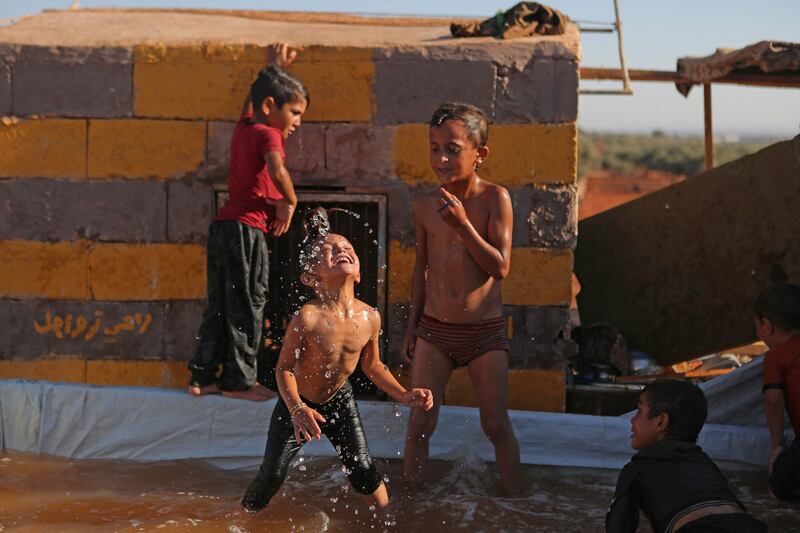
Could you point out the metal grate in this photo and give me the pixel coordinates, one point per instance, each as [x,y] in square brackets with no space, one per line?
[367,233]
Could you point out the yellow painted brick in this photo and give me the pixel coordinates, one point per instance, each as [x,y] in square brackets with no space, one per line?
[520,154]
[147,271]
[200,53]
[332,54]
[412,155]
[538,277]
[341,91]
[190,83]
[32,269]
[528,390]
[145,148]
[171,374]
[43,148]
[72,370]
[401,268]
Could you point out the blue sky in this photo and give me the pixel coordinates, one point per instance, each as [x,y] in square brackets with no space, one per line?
[656,34]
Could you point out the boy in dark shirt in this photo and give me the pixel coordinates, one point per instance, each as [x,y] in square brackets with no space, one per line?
[777,318]
[670,478]
[261,200]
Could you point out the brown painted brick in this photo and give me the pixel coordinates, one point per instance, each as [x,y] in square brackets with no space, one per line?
[5,89]
[73,82]
[540,337]
[127,330]
[190,210]
[44,148]
[305,153]
[545,216]
[401,223]
[49,210]
[359,154]
[218,149]
[182,323]
[529,95]
[410,91]
[567,79]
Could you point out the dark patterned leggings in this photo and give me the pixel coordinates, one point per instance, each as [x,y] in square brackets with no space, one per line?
[343,429]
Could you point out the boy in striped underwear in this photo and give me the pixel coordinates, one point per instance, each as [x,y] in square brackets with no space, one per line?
[463,251]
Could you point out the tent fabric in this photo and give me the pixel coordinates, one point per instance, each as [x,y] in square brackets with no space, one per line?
[766,56]
[144,424]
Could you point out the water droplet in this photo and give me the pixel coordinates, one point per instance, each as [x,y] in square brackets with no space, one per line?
[666,206]
[302,468]
[328,374]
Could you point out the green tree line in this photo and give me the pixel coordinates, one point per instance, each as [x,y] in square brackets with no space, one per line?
[657,151]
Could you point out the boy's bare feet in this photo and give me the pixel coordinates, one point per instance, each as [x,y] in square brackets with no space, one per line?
[256,393]
[202,391]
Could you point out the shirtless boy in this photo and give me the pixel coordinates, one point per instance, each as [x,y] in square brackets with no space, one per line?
[463,251]
[322,346]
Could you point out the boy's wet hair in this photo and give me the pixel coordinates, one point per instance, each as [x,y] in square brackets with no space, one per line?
[685,404]
[316,227]
[781,306]
[275,82]
[473,117]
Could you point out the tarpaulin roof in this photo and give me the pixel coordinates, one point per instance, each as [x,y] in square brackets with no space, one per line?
[768,57]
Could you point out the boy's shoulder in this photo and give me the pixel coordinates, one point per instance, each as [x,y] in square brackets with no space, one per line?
[493,192]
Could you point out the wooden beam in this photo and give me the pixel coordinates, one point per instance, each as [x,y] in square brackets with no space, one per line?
[709,133]
[766,80]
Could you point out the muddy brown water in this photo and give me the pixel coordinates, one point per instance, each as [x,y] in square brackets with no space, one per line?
[49,494]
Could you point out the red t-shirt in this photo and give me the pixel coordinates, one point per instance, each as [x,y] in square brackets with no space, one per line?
[249,182]
[782,371]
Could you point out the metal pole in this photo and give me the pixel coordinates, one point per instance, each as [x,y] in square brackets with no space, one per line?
[709,134]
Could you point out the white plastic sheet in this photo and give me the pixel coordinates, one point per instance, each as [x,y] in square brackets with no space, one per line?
[144,424]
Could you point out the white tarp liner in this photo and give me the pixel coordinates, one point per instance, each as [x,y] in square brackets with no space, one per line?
[144,424]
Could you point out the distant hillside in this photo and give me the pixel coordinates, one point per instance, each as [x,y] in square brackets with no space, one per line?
[657,151]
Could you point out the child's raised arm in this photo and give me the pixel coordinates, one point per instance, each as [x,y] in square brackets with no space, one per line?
[379,373]
[492,254]
[304,418]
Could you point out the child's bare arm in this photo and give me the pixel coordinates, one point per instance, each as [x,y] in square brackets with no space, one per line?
[775,406]
[304,418]
[492,254]
[380,375]
[417,285]
[284,209]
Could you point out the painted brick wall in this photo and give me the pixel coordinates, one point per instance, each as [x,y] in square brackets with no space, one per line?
[109,158]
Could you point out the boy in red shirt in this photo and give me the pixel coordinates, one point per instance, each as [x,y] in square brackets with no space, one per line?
[261,200]
[777,318]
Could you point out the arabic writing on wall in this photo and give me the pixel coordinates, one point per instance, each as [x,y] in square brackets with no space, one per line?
[72,326]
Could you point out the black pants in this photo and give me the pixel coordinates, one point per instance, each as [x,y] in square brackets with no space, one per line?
[232,328]
[342,427]
[725,523]
[785,478]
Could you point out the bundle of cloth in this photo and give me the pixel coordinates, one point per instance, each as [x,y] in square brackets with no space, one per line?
[522,20]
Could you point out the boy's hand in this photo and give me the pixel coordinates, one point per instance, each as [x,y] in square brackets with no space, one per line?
[283,216]
[774,457]
[280,55]
[418,398]
[407,353]
[305,424]
[451,209]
